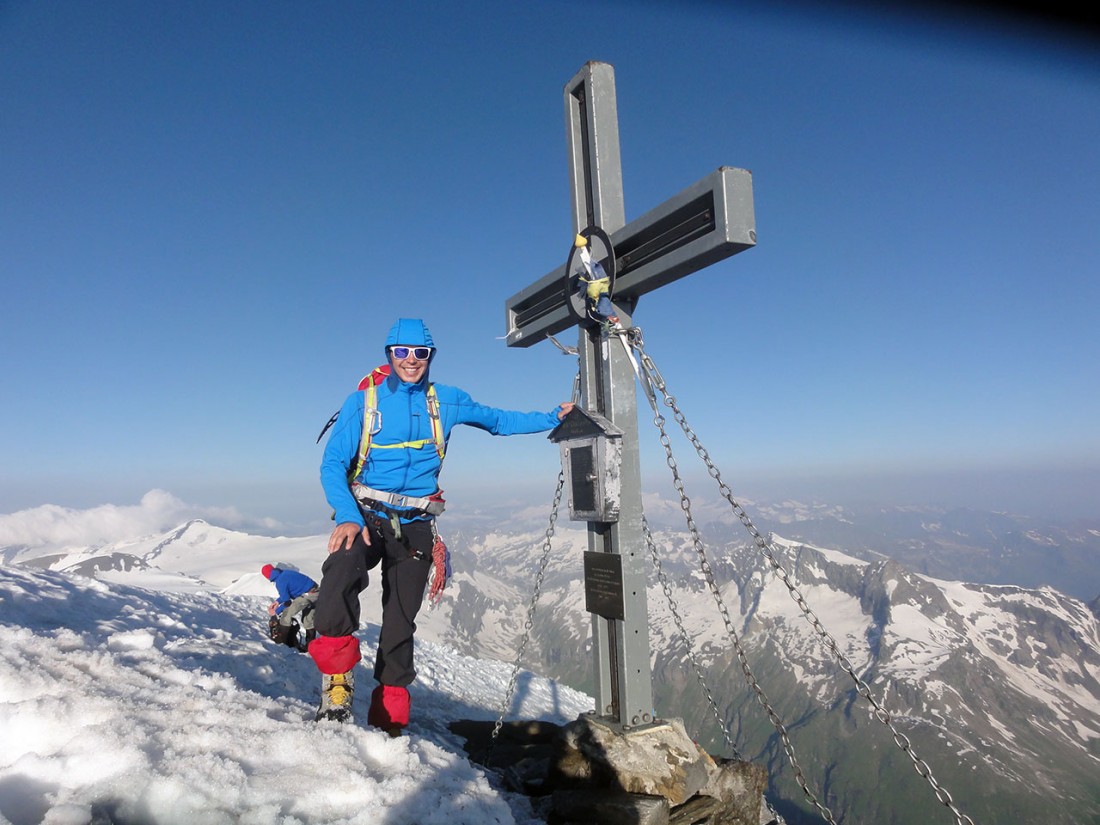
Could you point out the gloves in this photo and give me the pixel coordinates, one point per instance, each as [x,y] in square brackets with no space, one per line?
[440,572]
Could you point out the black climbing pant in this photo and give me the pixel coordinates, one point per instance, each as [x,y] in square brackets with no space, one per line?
[406,562]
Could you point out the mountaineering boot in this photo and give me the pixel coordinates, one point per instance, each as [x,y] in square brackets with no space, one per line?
[303,644]
[336,692]
[389,709]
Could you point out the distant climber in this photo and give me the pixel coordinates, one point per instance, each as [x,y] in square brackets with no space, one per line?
[292,611]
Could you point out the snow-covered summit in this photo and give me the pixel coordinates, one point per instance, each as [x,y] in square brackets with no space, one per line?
[124,704]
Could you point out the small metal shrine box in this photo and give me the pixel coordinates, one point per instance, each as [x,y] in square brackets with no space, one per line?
[591,459]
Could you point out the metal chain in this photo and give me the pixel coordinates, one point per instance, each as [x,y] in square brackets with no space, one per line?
[750,678]
[530,622]
[696,665]
[653,376]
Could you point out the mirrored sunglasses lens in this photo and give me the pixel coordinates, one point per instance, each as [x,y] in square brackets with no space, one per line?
[421,353]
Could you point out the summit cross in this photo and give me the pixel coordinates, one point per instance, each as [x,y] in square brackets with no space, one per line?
[705,223]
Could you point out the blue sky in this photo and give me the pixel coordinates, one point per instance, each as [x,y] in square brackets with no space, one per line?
[210,214]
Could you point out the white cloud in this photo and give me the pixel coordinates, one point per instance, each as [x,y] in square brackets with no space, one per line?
[53,525]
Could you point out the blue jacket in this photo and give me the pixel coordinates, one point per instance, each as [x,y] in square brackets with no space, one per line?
[404,417]
[291,584]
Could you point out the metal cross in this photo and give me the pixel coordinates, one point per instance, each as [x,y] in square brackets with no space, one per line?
[708,221]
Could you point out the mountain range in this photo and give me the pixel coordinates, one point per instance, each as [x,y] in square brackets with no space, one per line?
[990,683]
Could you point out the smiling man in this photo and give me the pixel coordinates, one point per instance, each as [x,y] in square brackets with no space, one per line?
[380,473]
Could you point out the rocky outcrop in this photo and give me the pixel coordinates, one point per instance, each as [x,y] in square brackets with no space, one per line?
[588,771]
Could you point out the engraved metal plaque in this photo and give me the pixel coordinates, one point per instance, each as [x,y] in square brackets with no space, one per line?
[603,585]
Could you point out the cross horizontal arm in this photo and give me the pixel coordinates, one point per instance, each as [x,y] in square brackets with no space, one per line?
[710,220]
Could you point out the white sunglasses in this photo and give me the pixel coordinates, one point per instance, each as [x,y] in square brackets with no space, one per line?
[419,353]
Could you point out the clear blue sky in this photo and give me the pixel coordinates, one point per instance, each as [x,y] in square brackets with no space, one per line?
[210,213]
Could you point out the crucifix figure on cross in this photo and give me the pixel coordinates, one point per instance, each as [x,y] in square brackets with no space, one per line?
[708,221]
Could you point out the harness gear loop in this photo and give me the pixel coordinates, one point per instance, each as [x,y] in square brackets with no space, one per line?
[380,501]
[383,501]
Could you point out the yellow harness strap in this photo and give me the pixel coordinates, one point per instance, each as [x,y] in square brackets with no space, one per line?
[369,414]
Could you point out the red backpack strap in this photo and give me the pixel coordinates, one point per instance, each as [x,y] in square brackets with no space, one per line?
[375,377]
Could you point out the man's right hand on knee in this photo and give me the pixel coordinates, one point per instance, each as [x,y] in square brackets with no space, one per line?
[343,536]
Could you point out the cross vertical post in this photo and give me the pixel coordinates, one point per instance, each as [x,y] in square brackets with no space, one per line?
[623,680]
[708,221]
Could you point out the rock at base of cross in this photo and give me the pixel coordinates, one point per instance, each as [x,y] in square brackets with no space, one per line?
[588,772]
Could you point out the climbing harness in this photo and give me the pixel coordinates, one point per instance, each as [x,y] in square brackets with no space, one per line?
[433,505]
[381,501]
